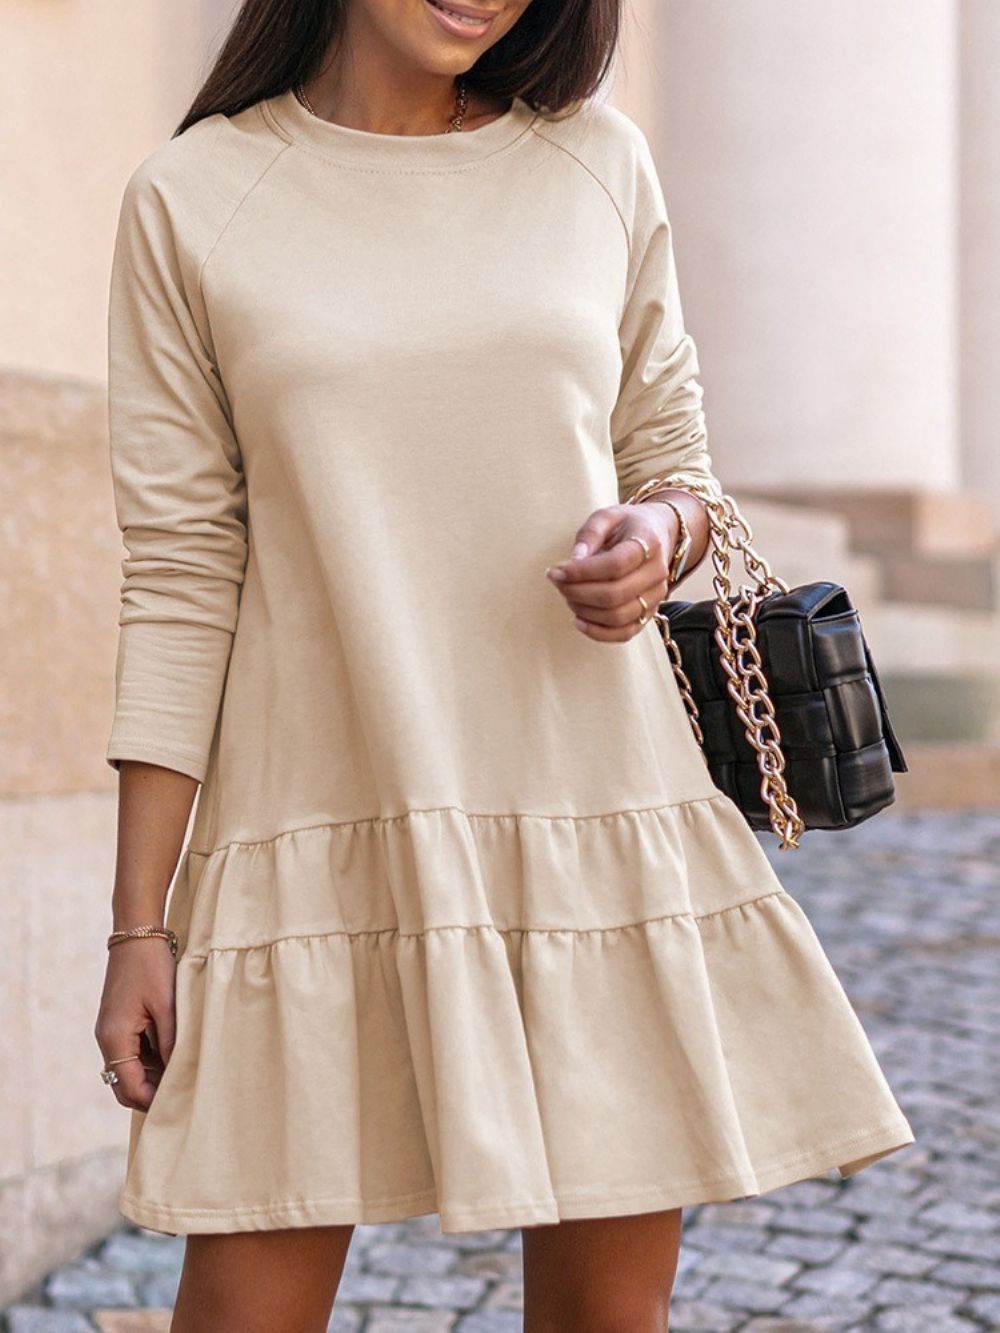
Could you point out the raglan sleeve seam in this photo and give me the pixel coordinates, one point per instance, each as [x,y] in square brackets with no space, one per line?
[178,485]
[658,425]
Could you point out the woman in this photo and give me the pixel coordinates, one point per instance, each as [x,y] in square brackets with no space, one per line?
[463,925]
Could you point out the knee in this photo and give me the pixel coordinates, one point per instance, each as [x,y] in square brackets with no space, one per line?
[606,1314]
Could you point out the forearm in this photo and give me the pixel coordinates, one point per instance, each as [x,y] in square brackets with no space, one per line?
[154,806]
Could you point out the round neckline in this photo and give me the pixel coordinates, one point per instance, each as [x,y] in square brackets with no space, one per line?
[395,152]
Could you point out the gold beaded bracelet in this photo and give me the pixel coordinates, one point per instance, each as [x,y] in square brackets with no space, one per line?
[144,932]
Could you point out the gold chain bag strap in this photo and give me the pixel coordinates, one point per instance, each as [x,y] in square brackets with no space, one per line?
[840,748]
[736,637]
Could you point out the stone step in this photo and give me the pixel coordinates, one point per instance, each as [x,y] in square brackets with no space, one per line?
[903,521]
[934,639]
[966,582]
[950,776]
[934,708]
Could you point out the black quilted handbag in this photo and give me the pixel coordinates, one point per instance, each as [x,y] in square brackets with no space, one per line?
[781,691]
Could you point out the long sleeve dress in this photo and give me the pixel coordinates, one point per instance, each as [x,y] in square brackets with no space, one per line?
[465,926]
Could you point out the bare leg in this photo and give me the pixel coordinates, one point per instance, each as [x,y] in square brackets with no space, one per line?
[261,1281]
[602,1274]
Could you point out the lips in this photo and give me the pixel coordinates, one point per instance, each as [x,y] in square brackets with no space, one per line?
[460,20]
[477,15]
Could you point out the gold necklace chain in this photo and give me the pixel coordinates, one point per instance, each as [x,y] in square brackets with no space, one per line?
[455,122]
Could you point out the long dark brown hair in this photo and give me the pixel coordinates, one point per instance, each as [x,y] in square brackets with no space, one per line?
[556,54]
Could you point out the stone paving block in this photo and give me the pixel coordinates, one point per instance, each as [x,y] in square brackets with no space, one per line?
[736,1214]
[895,1260]
[733,1240]
[812,1307]
[754,1297]
[912,1292]
[938,1319]
[445,1293]
[868,1199]
[748,1267]
[767,1324]
[159,1289]
[821,1222]
[813,1192]
[965,1244]
[986,1308]
[498,1264]
[690,1260]
[691,1286]
[386,1320]
[40,1319]
[345,1320]
[952,1213]
[133,1321]
[479,1240]
[885,1230]
[487,1321]
[141,1253]
[366,1289]
[505,1296]
[355,1260]
[410,1260]
[411,1231]
[963,1176]
[84,1286]
[810,1249]
[697,1316]
[837,1281]
[423,1227]
[967,1274]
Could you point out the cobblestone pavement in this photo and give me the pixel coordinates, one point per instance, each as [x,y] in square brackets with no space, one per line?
[908,909]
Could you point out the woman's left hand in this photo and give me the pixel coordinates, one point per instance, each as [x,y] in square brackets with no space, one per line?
[608,571]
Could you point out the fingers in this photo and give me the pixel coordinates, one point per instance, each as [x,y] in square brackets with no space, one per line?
[620,623]
[602,588]
[630,616]
[136,1025]
[164,1030]
[626,556]
[135,1084]
[621,555]
[611,596]
[592,535]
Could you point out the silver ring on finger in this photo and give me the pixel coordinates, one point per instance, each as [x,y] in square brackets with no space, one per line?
[645,609]
[109,1074]
[634,537]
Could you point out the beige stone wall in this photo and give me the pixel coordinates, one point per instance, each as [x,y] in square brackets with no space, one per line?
[979,246]
[809,159]
[87,88]
[61,1135]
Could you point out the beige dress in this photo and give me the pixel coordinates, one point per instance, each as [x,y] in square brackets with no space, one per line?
[465,926]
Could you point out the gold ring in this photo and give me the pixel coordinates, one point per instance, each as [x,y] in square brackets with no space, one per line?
[109,1074]
[634,537]
[645,609]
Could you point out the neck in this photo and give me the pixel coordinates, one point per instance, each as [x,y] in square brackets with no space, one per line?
[366,84]
[365,87]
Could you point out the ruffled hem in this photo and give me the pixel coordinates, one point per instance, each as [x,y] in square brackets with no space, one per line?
[504,1020]
[516,1213]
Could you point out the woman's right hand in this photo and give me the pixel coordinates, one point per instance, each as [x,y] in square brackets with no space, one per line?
[137,1016]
